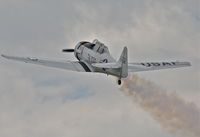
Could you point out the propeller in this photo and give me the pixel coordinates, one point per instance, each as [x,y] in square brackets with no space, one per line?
[68,50]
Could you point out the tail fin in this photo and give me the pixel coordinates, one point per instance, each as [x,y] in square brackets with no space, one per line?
[123,61]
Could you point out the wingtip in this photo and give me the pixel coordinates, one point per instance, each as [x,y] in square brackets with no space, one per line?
[187,64]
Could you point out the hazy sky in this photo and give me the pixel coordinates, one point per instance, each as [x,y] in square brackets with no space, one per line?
[43,102]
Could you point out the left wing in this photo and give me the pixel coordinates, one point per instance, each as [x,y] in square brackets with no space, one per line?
[147,66]
[68,65]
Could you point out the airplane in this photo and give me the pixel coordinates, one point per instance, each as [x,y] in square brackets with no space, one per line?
[95,57]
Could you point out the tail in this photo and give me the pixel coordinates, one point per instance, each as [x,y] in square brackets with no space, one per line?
[123,61]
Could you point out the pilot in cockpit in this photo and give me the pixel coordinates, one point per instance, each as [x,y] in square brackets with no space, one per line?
[100,47]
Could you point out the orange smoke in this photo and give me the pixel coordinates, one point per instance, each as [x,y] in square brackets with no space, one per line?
[171,111]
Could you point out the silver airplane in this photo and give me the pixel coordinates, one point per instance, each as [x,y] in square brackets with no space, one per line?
[95,57]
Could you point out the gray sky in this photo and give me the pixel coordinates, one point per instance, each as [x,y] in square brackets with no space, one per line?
[43,102]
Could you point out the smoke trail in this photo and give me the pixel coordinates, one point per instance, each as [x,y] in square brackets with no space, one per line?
[169,110]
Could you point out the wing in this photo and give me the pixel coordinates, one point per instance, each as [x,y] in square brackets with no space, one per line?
[68,65]
[136,67]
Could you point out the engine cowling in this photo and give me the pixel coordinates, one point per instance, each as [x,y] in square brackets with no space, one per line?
[79,49]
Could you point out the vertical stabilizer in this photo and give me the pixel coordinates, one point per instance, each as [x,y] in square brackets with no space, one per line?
[123,61]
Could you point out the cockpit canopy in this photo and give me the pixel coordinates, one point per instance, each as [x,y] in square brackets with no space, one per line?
[88,45]
[95,46]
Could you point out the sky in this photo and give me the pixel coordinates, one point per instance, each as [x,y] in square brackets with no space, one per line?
[45,102]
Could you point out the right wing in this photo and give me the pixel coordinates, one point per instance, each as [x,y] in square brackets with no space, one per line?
[68,65]
[147,66]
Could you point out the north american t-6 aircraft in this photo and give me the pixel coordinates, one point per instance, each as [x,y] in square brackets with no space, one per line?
[95,57]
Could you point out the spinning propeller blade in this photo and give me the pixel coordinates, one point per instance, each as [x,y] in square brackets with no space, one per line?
[68,50]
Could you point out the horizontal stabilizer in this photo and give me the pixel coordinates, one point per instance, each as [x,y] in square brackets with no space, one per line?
[107,65]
